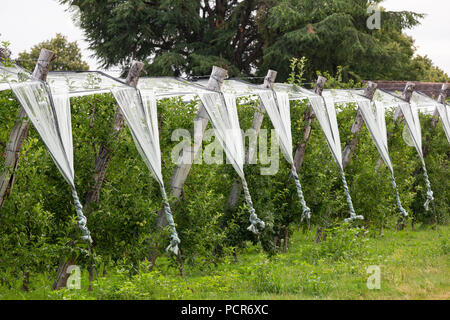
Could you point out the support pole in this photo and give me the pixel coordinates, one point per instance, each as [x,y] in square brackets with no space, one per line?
[181,173]
[258,117]
[20,131]
[442,97]
[350,146]
[105,152]
[201,121]
[308,118]
[406,95]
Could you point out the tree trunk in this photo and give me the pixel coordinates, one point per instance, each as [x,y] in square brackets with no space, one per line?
[101,165]
[357,127]
[105,151]
[286,240]
[20,131]
[258,117]
[26,281]
[308,118]
[63,275]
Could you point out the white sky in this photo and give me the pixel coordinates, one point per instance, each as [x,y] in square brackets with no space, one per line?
[27,22]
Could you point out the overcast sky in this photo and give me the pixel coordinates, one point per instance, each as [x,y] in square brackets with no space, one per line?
[27,22]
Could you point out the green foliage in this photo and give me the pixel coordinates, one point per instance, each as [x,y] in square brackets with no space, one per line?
[38,225]
[422,255]
[248,37]
[68,55]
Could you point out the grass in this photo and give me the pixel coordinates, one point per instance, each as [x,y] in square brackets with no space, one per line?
[413,264]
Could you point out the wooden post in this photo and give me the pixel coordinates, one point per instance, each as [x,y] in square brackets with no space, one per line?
[216,79]
[256,126]
[406,95]
[441,99]
[101,165]
[308,118]
[181,172]
[357,127]
[20,131]
[105,152]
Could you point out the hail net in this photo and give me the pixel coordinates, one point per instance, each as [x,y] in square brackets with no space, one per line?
[276,104]
[426,104]
[222,111]
[325,111]
[49,111]
[12,74]
[411,114]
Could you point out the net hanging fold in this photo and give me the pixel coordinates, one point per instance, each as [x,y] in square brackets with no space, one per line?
[324,109]
[373,114]
[222,111]
[49,111]
[276,103]
[411,113]
[139,110]
[426,104]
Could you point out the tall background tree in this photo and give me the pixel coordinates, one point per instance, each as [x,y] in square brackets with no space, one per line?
[68,55]
[247,37]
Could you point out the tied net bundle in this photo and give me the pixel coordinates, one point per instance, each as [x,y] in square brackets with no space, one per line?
[49,111]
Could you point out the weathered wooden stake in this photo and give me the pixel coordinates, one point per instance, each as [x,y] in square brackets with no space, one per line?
[181,172]
[105,152]
[406,95]
[441,99]
[357,127]
[101,165]
[308,118]
[256,126]
[20,131]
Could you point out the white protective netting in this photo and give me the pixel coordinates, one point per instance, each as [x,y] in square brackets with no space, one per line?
[325,111]
[49,111]
[410,113]
[83,83]
[139,111]
[12,74]
[374,117]
[276,103]
[222,111]
[426,104]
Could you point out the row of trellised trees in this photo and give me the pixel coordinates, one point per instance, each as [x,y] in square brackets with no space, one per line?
[37,225]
